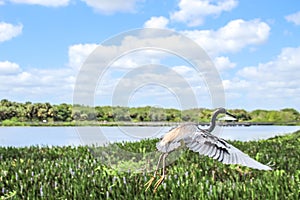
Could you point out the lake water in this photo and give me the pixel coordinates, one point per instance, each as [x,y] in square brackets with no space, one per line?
[62,136]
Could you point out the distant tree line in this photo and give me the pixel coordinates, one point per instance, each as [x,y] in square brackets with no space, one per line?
[35,112]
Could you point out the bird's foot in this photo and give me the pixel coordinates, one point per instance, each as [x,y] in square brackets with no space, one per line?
[148,184]
[159,182]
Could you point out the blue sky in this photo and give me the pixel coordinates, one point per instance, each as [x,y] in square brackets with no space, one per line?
[254,45]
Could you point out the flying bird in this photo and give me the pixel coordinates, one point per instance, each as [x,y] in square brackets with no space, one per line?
[201,141]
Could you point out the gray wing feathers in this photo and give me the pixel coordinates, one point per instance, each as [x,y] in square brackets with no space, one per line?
[219,149]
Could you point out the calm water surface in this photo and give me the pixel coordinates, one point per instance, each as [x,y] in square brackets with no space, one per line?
[62,136]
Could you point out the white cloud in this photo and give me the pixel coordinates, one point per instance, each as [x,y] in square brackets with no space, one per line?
[294,18]
[182,69]
[156,22]
[177,80]
[193,12]
[236,85]
[130,59]
[112,6]
[7,67]
[133,56]
[42,85]
[270,85]
[138,58]
[60,82]
[9,31]
[51,3]
[195,82]
[78,53]
[223,63]
[2,2]
[285,67]
[233,37]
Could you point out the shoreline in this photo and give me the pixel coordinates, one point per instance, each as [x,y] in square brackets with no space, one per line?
[149,124]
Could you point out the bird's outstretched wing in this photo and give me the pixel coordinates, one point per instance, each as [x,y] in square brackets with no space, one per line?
[217,148]
[172,139]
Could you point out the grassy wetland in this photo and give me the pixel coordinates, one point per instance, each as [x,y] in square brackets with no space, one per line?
[76,173]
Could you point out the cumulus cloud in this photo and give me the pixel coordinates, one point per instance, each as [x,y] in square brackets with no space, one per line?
[131,49]
[7,67]
[157,22]
[234,36]
[36,84]
[61,81]
[51,3]
[294,18]
[112,6]
[284,66]
[223,63]
[78,53]
[136,51]
[9,31]
[274,83]
[193,12]
[152,83]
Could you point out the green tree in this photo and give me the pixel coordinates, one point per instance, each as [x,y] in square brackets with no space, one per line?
[63,112]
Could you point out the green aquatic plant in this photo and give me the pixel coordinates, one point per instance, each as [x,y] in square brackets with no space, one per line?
[77,173]
[9,195]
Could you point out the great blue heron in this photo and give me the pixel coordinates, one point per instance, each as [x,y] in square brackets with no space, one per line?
[203,142]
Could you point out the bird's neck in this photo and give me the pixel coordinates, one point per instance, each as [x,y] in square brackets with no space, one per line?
[213,122]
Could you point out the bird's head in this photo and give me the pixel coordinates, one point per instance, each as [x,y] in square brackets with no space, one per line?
[224,111]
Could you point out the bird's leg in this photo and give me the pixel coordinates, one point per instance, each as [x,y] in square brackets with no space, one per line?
[148,184]
[162,178]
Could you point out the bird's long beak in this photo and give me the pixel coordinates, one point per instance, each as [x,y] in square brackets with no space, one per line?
[231,115]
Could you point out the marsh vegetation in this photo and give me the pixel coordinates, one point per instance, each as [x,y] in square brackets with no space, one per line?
[79,173]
